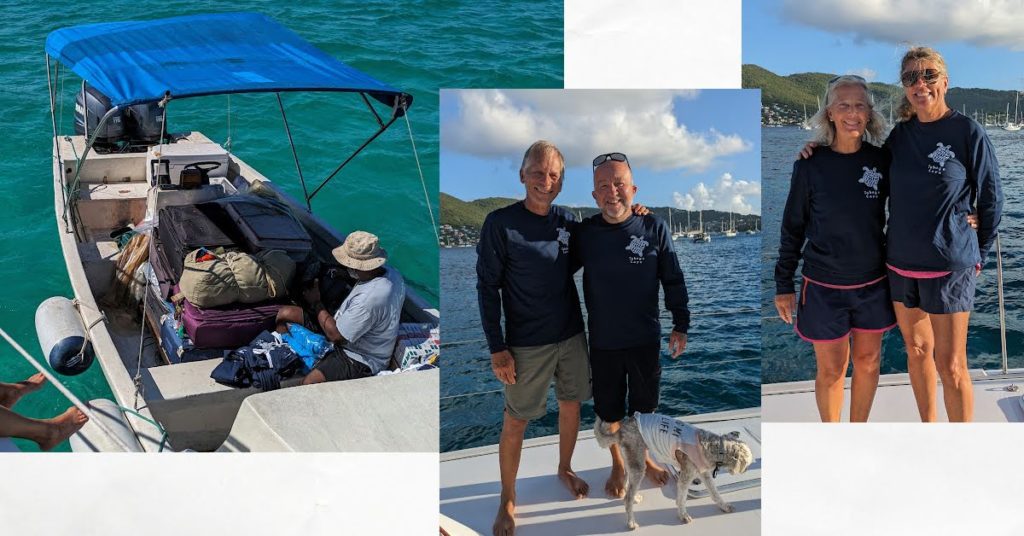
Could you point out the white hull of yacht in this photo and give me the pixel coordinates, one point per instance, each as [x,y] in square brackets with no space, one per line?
[997,398]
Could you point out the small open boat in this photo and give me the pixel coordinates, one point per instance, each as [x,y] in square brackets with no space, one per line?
[140,67]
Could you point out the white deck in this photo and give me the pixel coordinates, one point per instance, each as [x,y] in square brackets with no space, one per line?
[894,400]
[470,489]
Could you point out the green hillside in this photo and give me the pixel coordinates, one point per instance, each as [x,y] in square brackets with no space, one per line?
[783,97]
[471,214]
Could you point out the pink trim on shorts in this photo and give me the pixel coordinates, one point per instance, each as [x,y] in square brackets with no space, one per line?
[801,335]
[916,274]
[844,287]
[883,330]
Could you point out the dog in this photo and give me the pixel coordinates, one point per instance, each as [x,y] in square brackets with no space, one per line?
[690,449]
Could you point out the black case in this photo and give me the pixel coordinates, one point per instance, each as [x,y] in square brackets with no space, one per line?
[184,228]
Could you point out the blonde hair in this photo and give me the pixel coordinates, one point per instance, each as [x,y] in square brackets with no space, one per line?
[825,130]
[905,110]
[539,149]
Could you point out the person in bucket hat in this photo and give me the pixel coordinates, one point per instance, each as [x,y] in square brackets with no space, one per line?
[365,326]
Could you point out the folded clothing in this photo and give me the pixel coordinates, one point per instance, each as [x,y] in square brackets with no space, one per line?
[263,363]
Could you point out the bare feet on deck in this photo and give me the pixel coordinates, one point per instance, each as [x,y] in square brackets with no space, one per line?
[655,473]
[616,484]
[62,427]
[577,486]
[505,522]
[10,393]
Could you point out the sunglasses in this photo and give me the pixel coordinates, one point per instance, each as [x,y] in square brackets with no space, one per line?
[856,77]
[616,157]
[930,76]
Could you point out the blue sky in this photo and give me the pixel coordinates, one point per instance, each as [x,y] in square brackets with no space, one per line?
[687,148]
[982,42]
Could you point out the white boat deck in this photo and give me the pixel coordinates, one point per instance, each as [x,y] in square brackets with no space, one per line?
[470,489]
[994,399]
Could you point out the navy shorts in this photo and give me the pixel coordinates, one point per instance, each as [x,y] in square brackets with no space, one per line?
[614,372]
[828,313]
[951,293]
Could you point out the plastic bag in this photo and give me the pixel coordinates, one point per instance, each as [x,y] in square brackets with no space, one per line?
[308,345]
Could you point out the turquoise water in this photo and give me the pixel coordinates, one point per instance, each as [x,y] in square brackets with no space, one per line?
[418,47]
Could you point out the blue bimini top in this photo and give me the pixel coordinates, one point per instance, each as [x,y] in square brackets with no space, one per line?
[132,62]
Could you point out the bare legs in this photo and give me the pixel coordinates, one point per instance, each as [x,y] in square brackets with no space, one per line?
[616,484]
[937,348]
[833,358]
[47,433]
[510,448]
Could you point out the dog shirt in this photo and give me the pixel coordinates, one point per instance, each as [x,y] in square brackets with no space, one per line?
[665,435]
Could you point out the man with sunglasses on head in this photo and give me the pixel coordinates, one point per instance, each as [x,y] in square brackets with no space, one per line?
[523,269]
[624,258]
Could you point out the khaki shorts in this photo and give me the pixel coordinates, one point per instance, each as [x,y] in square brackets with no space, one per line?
[566,361]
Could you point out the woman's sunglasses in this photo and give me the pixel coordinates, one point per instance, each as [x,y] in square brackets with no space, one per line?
[930,76]
[617,157]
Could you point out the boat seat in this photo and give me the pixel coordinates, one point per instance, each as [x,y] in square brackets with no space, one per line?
[197,411]
[110,206]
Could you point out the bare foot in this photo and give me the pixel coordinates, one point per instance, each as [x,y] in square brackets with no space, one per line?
[12,392]
[62,427]
[656,474]
[616,484]
[577,486]
[505,522]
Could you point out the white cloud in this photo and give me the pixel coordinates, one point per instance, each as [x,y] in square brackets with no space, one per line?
[583,124]
[989,23]
[867,73]
[728,194]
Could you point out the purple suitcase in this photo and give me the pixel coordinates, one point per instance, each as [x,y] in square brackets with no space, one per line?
[229,326]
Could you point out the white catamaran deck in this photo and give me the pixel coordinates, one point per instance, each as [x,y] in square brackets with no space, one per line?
[994,399]
[470,489]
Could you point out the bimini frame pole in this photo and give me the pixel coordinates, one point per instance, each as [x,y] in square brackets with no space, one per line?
[295,155]
[52,86]
[399,106]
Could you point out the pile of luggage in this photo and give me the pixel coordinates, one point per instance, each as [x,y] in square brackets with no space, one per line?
[220,271]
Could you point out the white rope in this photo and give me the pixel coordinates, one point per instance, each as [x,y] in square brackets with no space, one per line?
[680,365]
[426,196]
[228,141]
[67,394]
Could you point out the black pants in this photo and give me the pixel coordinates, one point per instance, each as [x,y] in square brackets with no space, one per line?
[631,374]
[337,365]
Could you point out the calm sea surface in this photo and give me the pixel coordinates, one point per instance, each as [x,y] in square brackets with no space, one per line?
[787,358]
[415,46]
[720,369]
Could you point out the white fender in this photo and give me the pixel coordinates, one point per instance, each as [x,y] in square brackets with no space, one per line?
[61,336]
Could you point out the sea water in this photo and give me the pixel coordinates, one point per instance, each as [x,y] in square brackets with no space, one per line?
[788,358]
[417,47]
[720,369]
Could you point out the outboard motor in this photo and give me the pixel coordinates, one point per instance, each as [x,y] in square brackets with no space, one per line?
[62,336]
[144,123]
[90,107]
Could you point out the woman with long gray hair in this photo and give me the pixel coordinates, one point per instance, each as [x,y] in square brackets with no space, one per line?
[836,204]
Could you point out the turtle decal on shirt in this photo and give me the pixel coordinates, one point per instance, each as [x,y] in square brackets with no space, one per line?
[636,247]
[870,179]
[940,156]
[563,239]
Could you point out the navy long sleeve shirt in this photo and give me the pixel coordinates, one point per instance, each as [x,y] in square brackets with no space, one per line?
[941,171]
[622,266]
[835,218]
[523,268]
